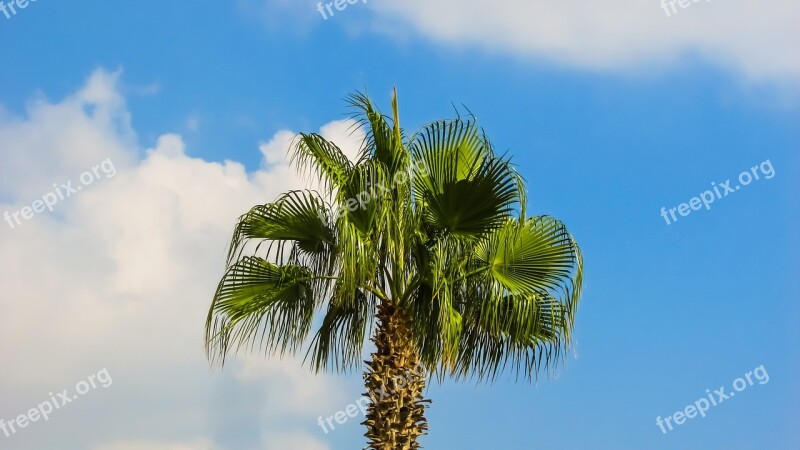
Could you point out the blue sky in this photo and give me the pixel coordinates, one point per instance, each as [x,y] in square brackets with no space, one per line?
[610,111]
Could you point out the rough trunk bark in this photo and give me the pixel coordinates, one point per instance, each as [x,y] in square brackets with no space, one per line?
[394,381]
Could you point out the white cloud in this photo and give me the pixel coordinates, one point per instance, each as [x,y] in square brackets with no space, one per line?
[758,39]
[152,445]
[57,142]
[296,388]
[285,16]
[340,132]
[120,277]
[295,441]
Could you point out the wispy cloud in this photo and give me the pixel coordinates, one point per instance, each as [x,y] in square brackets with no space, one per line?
[759,41]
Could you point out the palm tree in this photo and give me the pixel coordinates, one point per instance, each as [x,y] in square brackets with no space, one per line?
[423,243]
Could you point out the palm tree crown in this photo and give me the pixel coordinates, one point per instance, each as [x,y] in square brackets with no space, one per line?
[430,228]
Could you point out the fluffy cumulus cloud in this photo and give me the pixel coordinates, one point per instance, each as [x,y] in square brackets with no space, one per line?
[760,40]
[151,445]
[118,276]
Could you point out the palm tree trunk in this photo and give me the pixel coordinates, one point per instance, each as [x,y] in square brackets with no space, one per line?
[394,380]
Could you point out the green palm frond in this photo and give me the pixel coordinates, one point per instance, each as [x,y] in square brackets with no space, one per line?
[532,256]
[340,339]
[298,217]
[451,145]
[260,303]
[445,322]
[313,155]
[524,330]
[525,280]
[467,190]
[358,260]
[363,195]
[384,138]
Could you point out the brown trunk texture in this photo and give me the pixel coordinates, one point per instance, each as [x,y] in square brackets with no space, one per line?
[394,380]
